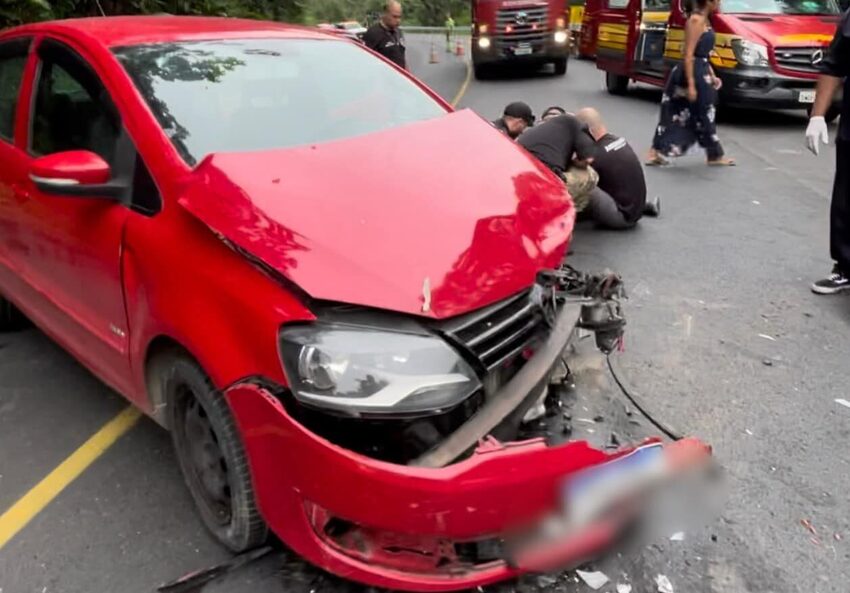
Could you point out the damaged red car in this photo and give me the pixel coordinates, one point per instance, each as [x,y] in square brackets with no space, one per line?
[341,297]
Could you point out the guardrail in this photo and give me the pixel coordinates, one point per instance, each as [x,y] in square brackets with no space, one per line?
[465,30]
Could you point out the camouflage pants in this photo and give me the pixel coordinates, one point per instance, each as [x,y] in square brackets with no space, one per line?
[580,182]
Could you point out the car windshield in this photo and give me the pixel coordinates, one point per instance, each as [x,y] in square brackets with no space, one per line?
[798,7]
[258,94]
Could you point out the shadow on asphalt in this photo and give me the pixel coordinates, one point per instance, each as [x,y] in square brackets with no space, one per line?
[513,73]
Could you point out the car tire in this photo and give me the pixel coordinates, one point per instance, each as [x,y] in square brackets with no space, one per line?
[616,84]
[211,454]
[11,319]
[561,66]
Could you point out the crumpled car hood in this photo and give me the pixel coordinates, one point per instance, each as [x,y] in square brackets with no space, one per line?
[435,218]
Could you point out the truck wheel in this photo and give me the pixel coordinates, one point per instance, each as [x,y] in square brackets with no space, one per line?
[561,67]
[210,453]
[482,71]
[616,84]
[11,319]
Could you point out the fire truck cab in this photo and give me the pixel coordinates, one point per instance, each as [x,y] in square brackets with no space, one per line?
[766,53]
[521,32]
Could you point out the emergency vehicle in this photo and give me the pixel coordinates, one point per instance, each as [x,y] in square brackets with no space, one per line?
[767,51]
[522,32]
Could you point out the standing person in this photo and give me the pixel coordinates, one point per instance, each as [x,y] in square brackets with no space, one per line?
[385,37]
[561,144]
[687,105]
[619,198]
[450,30]
[835,68]
[516,118]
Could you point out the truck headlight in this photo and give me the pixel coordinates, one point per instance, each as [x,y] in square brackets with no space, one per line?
[360,371]
[750,53]
[560,37]
[484,43]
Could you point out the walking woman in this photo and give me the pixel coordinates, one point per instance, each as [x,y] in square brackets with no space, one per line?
[687,105]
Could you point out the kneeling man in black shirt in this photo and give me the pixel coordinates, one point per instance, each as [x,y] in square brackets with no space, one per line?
[619,199]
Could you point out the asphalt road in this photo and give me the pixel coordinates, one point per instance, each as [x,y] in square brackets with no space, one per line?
[728,263]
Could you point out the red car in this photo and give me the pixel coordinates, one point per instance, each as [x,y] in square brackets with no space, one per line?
[326,284]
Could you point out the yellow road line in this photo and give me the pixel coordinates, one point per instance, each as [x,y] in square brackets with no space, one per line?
[34,501]
[465,84]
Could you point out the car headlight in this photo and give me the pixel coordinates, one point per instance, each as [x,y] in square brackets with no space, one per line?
[484,43]
[560,36]
[362,371]
[750,53]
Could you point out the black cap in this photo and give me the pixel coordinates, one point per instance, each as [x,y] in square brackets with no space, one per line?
[520,110]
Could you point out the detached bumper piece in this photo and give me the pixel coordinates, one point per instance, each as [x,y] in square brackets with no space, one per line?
[477,506]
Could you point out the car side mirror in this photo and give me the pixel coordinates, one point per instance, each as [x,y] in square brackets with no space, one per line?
[76,173]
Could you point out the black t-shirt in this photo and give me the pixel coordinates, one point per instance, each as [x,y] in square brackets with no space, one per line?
[500,125]
[621,175]
[836,63]
[555,141]
[389,44]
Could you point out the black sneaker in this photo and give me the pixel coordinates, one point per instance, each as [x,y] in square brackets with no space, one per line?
[653,207]
[832,284]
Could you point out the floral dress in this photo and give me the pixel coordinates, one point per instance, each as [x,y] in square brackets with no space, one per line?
[683,123]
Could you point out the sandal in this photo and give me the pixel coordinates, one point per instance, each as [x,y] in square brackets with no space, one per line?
[656,161]
[722,163]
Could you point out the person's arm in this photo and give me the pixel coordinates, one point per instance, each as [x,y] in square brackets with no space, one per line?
[585,147]
[693,30]
[715,80]
[824,95]
[835,66]
[371,38]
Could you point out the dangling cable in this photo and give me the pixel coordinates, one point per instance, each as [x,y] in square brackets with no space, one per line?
[665,428]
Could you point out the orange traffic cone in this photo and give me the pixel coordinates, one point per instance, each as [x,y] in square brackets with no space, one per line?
[435,58]
[459,48]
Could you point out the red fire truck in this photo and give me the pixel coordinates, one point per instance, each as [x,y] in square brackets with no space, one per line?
[766,53]
[532,32]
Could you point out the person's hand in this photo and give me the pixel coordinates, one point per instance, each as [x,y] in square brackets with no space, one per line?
[692,94]
[816,133]
[718,84]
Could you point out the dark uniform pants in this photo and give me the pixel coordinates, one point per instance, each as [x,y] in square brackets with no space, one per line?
[839,216]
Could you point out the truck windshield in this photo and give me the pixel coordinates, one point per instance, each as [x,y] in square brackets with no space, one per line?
[258,94]
[795,7]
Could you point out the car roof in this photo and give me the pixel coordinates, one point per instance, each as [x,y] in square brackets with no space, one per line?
[117,31]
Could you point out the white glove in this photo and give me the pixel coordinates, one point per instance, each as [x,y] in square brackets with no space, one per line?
[816,133]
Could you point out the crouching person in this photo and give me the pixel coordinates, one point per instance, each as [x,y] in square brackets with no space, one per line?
[619,199]
[562,145]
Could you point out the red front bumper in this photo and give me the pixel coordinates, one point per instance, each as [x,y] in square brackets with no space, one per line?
[408,519]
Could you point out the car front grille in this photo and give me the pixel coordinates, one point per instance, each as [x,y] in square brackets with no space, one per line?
[527,25]
[801,59]
[498,334]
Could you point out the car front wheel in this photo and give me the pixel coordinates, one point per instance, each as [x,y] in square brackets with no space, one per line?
[211,455]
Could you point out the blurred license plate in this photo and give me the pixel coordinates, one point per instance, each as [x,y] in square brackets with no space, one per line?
[523,49]
[807,97]
[593,489]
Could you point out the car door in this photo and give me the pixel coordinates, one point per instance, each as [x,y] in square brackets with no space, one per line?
[14,58]
[589,26]
[74,244]
[649,51]
[616,38]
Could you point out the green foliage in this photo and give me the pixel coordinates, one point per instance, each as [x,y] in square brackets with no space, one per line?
[417,12]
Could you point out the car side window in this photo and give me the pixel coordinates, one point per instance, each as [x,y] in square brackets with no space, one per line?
[72,110]
[618,4]
[13,60]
